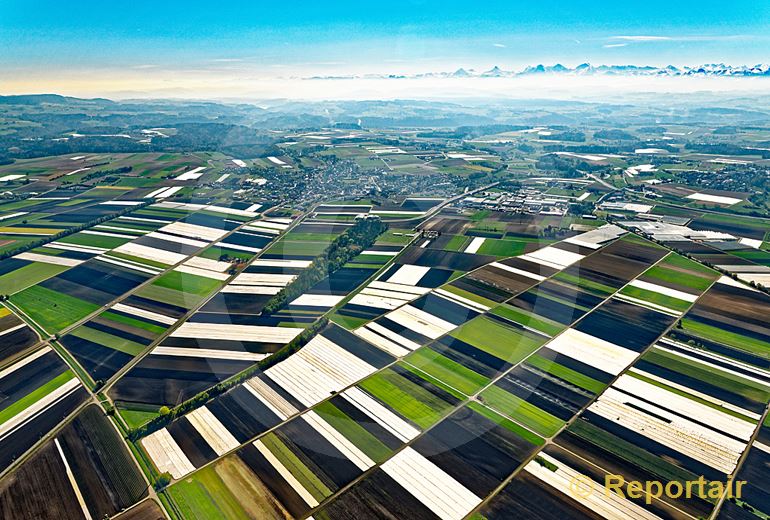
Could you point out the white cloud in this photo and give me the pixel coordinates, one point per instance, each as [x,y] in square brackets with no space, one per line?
[499,45]
[641,38]
[613,45]
[685,38]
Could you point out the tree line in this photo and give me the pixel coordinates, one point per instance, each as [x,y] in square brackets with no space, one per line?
[342,249]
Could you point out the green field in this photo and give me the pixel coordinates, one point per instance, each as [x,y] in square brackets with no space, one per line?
[756,256]
[565,373]
[521,411]
[377,260]
[285,247]
[34,396]
[136,182]
[447,371]
[591,286]
[298,468]
[389,237]
[28,275]
[296,236]
[187,283]
[469,295]
[136,418]
[733,383]
[216,252]
[348,322]
[529,319]
[683,271]
[52,310]
[354,432]
[108,340]
[409,400]
[204,495]
[171,296]
[119,318]
[498,339]
[656,298]
[732,339]
[85,239]
[12,242]
[456,243]
[505,423]
[507,247]
[676,260]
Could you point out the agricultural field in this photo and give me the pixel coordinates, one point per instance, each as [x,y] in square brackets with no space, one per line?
[361,322]
[450,347]
[216,340]
[84,472]
[16,337]
[39,391]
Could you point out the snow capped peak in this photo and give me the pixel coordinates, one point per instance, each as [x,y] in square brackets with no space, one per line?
[585,69]
[494,72]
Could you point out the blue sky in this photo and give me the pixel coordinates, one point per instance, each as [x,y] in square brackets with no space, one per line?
[76,39]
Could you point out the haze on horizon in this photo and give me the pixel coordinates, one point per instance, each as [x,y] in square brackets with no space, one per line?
[251,50]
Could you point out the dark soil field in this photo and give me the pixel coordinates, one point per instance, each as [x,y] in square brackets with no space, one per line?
[469,356]
[147,510]
[443,259]
[171,380]
[742,227]
[594,469]
[500,281]
[474,450]
[734,309]
[95,282]
[528,498]
[607,458]
[173,311]
[106,475]
[732,511]
[530,267]
[40,489]
[545,391]
[616,264]
[640,326]
[271,479]
[98,360]
[376,496]
[16,342]
[242,414]
[191,442]
[357,346]
[754,471]
[444,309]
[236,303]
[448,225]
[326,462]
[20,440]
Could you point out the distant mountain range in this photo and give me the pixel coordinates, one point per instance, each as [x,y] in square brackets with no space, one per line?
[585,69]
